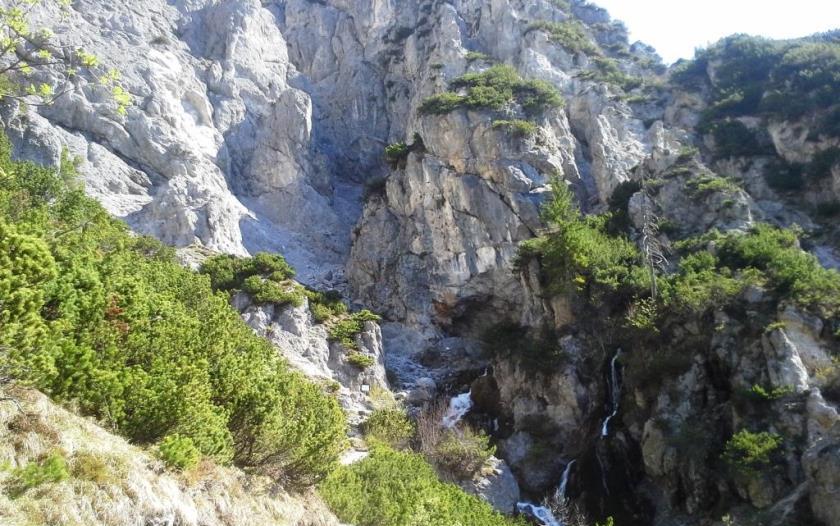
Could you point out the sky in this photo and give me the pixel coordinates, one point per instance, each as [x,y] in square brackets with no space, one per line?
[676,27]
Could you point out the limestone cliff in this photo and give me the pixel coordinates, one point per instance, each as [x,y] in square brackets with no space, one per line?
[261,125]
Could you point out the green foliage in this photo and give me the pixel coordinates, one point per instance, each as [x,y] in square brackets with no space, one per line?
[264,291]
[360,360]
[345,330]
[441,104]
[781,80]
[26,50]
[709,183]
[643,315]
[228,272]
[701,284]
[569,34]
[462,452]
[472,56]
[791,271]
[178,452]
[391,426]
[396,153]
[494,88]
[110,321]
[580,253]
[325,305]
[401,489]
[607,70]
[734,139]
[748,452]
[52,469]
[758,392]
[267,278]
[517,128]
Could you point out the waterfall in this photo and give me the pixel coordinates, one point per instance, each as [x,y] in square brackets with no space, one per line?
[459,406]
[564,481]
[540,513]
[615,393]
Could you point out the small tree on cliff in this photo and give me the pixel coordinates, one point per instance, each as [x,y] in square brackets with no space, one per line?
[37,69]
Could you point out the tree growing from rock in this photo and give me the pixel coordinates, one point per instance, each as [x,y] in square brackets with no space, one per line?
[35,68]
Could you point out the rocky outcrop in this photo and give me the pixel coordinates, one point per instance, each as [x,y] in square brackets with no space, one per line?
[307,347]
[496,484]
[218,146]
[114,483]
[260,125]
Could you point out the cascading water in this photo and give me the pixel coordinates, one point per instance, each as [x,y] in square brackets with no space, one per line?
[459,406]
[564,481]
[540,513]
[615,393]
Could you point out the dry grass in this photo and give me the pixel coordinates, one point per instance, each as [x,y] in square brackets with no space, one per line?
[113,483]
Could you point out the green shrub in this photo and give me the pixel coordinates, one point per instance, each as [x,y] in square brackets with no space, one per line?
[52,469]
[396,153]
[112,322]
[401,489]
[462,452]
[264,291]
[781,80]
[391,426]
[792,272]
[705,184]
[325,305]
[734,139]
[472,56]
[748,452]
[607,70]
[345,330]
[494,88]
[580,253]
[360,360]
[441,103]
[228,272]
[178,452]
[517,128]
[758,392]
[701,284]
[569,34]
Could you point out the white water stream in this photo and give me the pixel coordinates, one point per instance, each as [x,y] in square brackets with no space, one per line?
[543,514]
[564,481]
[615,393]
[459,406]
[540,513]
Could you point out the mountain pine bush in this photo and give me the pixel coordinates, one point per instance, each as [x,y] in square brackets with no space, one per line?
[94,315]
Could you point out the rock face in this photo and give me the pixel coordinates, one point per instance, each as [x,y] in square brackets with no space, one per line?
[261,125]
[307,347]
[218,147]
[497,485]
